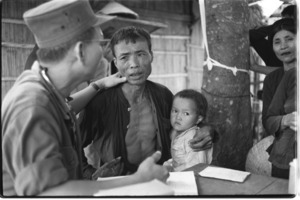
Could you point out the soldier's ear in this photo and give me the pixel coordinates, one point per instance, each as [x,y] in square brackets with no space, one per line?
[79,51]
[115,62]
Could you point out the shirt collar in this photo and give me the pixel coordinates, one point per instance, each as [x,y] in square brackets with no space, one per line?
[62,102]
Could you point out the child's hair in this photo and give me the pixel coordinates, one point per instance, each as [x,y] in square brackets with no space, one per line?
[197,97]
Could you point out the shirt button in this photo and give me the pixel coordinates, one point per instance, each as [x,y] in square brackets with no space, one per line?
[127,126]
[129,109]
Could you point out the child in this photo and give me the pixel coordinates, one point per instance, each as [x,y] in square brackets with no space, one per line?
[188,111]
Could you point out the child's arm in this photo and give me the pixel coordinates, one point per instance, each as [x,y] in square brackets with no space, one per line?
[192,157]
[172,134]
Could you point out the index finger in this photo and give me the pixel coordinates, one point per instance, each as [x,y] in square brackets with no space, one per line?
[199,144]
[113,162]
[196,140]
[156,156]
[117,74]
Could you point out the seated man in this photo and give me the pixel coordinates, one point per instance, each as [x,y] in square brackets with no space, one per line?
[131,120]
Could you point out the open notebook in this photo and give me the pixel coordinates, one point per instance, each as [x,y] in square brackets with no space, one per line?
[151,188]
[179,183]
[183,183]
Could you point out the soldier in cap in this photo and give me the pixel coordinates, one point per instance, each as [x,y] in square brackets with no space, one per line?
[41,143]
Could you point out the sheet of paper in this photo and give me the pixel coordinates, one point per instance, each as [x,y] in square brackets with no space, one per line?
[183,183]
[180,184]
[151,188]
[109,178]
[224,173]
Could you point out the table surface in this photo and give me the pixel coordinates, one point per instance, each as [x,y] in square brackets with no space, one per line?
[253,185]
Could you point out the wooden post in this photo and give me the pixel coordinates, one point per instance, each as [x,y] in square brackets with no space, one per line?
[228,95]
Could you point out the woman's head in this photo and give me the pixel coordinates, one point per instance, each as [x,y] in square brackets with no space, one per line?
[189,109]
[283,39]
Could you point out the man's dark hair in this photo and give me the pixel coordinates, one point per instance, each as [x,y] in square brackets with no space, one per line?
[57,53]
[130,34]
[197,97]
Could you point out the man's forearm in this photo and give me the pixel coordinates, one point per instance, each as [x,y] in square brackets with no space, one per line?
[82,98]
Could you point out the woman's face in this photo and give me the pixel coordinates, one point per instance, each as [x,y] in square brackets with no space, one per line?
[284,46]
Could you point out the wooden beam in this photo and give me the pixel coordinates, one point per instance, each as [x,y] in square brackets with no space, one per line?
[143,13]
[16,45]
[12,21]
[175,75]
[172,37]
[8,78]
[183,53]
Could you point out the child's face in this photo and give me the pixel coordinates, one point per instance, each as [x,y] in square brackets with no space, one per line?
[183,114]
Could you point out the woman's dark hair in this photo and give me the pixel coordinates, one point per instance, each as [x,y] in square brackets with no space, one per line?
[130,34]
[287,24]
[197,97]
[290,11]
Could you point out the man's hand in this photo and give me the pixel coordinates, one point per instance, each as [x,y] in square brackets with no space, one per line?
[202,139]
[289,120]
[111,168]
[169,165]
[149,170]
[111,80]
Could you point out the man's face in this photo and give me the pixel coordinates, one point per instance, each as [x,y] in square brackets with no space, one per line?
[94,53]
[133,61]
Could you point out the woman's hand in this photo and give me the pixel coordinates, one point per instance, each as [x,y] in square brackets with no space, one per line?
[111,168]
[149,170]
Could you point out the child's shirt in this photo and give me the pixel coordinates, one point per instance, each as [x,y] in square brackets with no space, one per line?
[183,155]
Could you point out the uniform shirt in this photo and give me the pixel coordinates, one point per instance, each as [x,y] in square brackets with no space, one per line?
[38,142]
[183,155]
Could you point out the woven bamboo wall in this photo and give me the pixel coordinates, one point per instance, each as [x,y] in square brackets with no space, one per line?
[17,41]
[171,46]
